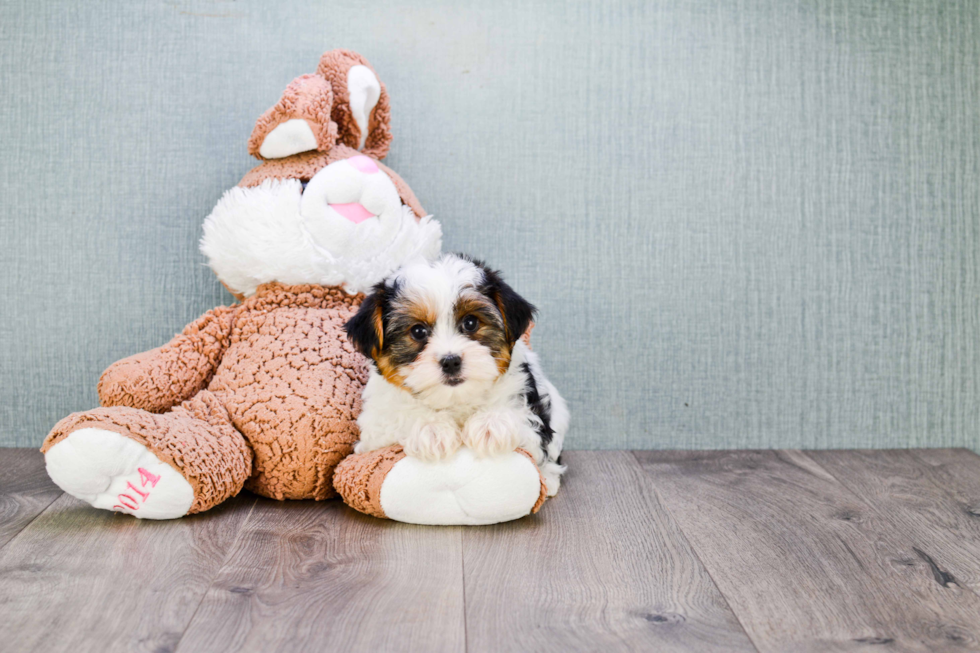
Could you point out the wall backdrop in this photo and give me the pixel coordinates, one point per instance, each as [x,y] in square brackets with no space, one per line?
[746,224]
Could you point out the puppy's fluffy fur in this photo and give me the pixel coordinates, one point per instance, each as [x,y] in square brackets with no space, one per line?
[449,367]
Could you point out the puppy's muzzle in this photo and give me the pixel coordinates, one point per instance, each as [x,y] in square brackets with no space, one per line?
[451,365]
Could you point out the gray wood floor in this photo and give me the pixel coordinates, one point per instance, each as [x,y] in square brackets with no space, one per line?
[641,551]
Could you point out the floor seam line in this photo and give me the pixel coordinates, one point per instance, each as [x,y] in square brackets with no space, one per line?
[217,572]
[33,519]
[680,529]
[462,569]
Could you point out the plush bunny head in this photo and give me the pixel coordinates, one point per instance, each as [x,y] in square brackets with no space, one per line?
[321,208]
[343,102]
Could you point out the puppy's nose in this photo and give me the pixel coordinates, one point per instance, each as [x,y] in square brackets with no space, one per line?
[451,364]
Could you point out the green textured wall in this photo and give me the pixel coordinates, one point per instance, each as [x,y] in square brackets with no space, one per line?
[747,224]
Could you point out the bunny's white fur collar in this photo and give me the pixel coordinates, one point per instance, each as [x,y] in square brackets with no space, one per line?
[258,235]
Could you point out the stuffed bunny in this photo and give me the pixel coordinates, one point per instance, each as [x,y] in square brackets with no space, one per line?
[264,393]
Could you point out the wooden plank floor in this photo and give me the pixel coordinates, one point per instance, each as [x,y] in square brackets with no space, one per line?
[641,551]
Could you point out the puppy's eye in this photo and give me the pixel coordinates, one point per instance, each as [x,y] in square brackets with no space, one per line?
[419,332]
[469,324]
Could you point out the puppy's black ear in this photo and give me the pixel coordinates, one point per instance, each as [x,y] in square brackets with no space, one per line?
[366,329]
[516,311]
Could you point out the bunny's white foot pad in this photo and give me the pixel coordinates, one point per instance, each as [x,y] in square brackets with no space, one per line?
[461,490]
[113,472]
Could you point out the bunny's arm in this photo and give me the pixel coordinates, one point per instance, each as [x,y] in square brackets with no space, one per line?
[161,378]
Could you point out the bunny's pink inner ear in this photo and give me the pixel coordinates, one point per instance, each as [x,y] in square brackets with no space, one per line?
[361,108]
[300,122]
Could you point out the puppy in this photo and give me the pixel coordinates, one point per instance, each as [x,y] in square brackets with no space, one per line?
[449,367]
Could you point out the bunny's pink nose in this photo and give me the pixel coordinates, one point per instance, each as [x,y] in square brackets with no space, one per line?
[354,212]
[364,164]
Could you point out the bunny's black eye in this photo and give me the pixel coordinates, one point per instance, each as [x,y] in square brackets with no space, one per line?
[469,323]
[419,332]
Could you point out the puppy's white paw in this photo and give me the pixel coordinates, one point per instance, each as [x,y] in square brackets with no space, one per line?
[432,441]
[493,432]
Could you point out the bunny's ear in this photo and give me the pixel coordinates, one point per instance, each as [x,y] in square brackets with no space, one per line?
[360,108]
[299,122]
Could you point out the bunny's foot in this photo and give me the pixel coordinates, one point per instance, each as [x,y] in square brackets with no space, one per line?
[460,490]
[152,466]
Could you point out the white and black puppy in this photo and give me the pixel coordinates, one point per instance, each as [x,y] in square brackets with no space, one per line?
[450,368]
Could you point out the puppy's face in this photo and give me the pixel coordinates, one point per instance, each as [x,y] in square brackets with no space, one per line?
[441,330]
